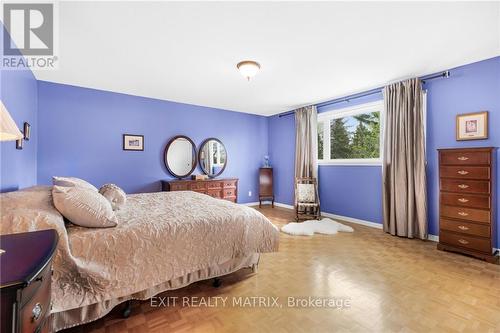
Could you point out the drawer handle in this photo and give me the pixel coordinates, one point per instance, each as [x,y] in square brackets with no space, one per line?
[462,158]
[463,200]
[462,227]
[36,312]
[463,241]
[463,214]
[463,172]
[463,186]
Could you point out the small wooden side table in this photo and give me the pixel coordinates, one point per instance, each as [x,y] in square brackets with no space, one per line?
[266,190]
[25,281]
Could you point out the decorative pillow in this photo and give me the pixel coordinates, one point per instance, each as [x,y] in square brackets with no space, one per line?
[115,195]
[72,182]
[306,193]
[83,207]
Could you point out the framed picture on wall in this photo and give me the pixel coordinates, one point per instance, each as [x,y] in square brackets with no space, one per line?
[472,126]
[133,142]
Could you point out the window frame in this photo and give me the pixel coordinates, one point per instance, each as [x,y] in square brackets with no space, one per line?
[326,118]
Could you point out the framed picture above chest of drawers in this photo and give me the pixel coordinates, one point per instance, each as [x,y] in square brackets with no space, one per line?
[467,201]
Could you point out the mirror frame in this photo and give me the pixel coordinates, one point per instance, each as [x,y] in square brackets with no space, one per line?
[199,157]
[194,152]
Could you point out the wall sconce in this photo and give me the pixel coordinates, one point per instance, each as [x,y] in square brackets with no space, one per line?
[26,136]
[27,131]
[19,144]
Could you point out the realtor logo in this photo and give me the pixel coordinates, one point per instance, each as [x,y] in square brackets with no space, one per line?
[28,37]
[31,26]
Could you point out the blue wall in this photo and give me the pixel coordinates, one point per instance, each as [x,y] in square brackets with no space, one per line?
[282,156]
[81,135]
[18,91]
[356,191]
[471,88]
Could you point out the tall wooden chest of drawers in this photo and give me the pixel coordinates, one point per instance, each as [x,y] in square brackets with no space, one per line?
[467,219]
[226,188]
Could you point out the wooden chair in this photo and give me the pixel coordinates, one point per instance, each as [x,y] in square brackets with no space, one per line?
[307,199]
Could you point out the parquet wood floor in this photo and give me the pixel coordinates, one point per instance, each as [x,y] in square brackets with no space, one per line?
[393,284]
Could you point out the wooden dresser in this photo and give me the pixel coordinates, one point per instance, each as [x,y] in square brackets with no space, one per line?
[226,188]
[467,201]
[26,274]
[266,190]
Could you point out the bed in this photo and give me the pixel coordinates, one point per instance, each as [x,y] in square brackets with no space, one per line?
[163,241]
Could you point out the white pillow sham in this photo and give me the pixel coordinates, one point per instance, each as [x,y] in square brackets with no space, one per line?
[72,182]
[84,207]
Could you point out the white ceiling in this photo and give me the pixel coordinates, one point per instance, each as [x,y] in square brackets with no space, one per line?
[309,52]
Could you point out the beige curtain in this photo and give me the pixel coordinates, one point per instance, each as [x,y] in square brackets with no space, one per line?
[404,192]
[306,140]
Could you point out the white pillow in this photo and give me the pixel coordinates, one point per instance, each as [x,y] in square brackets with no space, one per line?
[115,195]
[72,182]
[83,207]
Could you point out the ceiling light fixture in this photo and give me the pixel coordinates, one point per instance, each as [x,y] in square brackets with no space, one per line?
[248,68]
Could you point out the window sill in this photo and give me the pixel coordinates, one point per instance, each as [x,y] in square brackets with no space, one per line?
[376,162]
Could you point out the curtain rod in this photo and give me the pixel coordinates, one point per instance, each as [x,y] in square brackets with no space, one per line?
[445,74]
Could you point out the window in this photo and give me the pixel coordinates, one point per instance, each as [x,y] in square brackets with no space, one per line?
[351,135]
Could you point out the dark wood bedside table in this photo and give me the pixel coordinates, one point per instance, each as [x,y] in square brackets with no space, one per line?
[25,281]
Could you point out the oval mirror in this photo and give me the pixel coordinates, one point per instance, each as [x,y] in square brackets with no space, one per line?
[212,157]
[180,156]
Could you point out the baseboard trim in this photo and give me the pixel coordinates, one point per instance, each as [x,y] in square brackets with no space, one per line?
[282,205]
[277,204]
[430,237]
[256,203]
[353,220]
[433,238]
[250,204]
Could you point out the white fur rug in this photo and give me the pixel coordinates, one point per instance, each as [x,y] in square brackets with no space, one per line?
[325,226]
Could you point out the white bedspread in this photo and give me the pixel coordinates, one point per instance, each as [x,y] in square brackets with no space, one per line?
[160,236]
